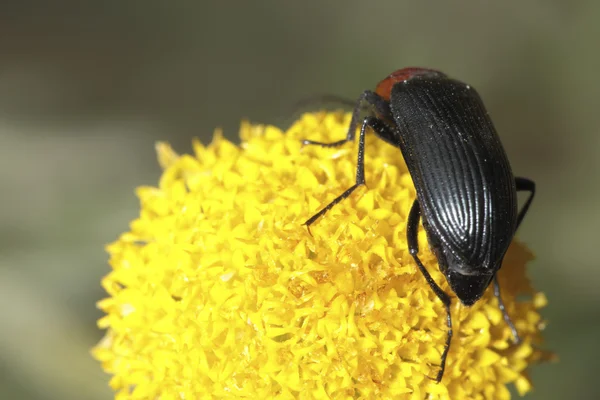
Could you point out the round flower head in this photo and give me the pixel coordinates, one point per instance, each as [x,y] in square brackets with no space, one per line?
[219,291]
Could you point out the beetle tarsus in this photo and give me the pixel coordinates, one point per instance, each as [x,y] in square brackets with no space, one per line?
[308,228]
[329,206]
[333,144]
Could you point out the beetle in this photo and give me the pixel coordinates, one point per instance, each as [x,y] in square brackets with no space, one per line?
[466,193]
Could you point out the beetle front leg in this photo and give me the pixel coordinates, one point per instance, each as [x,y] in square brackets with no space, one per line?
[511,325]
[413,246]
[371,98]
[522,184]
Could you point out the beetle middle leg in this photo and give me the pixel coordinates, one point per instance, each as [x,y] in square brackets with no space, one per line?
[413,246]
[378,126]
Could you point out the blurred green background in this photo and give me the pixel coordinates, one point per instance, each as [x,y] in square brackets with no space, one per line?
[86,88]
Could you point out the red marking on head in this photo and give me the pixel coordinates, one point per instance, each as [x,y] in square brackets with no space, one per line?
[384,88]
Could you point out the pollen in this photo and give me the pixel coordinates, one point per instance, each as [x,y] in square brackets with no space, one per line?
[218,290]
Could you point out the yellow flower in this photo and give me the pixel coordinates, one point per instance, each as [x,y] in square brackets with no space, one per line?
[219,291]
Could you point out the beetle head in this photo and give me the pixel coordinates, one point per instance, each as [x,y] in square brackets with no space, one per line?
[467,282]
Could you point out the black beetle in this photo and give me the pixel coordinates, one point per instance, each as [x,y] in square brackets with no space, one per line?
[466,192]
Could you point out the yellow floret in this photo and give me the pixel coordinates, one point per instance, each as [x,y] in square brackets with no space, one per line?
[219,291]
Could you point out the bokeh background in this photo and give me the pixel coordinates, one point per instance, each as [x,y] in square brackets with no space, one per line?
[86,88]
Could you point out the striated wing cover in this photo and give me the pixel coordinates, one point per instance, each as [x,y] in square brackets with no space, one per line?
[464,183]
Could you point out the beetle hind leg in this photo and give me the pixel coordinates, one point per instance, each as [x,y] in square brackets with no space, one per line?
[378,126]
[366,100]
[413,246]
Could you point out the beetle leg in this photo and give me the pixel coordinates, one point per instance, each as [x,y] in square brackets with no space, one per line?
[522,184]
[378,126]
[515,333]
[413,246]
[526,185]
[370,98]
